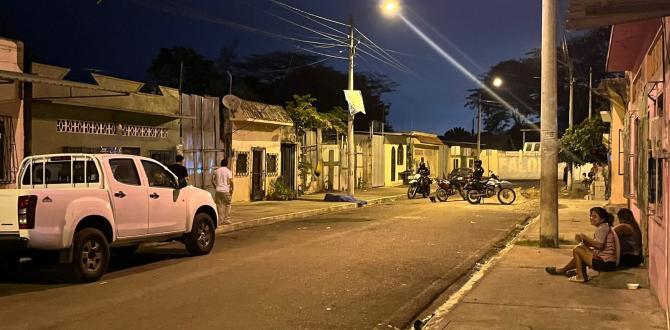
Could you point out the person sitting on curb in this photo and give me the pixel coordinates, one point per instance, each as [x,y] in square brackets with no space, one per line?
[600,253]
[630,237]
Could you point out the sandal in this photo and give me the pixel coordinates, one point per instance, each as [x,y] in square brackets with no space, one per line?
[552,271]
[576,279]
[571,273]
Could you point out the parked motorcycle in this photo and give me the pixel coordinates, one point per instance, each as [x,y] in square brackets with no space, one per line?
[419,184]
[446,188]
[476,190]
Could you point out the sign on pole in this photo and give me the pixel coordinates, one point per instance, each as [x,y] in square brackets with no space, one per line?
[355,100]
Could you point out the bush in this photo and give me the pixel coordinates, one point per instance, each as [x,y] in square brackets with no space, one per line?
[279,191]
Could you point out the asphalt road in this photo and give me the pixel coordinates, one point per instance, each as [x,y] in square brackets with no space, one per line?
[377,266]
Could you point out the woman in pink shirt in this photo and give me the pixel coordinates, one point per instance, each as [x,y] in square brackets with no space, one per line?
[600,252]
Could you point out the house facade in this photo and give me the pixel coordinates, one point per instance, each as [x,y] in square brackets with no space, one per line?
[639,49]
[263,147]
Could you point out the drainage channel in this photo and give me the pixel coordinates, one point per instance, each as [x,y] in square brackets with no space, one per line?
[419,320]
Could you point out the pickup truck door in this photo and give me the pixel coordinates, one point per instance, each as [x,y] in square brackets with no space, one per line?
[167,205]
[129,197]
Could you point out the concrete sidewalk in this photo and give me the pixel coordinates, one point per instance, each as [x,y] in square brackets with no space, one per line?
[252,214]
[514,292]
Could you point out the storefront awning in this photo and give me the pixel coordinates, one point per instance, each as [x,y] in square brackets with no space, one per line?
[588,14]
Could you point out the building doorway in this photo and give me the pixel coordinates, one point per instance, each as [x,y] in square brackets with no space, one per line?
[392,164]
[288,164]
[258,174]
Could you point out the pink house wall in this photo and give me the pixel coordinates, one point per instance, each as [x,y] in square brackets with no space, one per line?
[658,230]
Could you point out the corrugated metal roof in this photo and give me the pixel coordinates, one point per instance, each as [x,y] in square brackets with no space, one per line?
[244,110]
[586,14]
[31,78]
[427,139]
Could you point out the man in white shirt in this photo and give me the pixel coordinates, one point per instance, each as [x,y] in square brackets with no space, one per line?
[222,180]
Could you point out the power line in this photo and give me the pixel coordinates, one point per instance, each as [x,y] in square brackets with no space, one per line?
[309,17]
[308,13]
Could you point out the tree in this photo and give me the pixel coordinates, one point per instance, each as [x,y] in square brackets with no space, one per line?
[200,74]
[305,115]
[274,77]
[584,144]
[458,134]
[521,86]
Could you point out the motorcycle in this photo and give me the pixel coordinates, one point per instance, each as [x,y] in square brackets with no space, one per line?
[489,187]
[419,183]
[446,188]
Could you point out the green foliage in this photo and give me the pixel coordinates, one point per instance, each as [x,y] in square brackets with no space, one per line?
[584,143]
[305,115]
[279,191]
[521,85]
[458,134]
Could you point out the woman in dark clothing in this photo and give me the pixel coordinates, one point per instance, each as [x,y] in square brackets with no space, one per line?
[630,237]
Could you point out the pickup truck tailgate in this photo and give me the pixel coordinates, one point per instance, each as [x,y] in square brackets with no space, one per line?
[9,217]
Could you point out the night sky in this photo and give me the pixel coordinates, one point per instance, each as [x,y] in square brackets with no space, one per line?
[121,37]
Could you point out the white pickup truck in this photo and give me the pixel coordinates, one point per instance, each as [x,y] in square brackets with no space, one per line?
[79,206]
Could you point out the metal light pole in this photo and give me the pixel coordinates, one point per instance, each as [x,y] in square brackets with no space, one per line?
[590,92]
[479,126]
[230,82]
[549,142]
[350,122]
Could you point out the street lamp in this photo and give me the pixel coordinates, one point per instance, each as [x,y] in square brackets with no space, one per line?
[497,83]
[390,7]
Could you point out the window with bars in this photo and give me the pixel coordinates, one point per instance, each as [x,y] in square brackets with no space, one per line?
[242,164]
[271,164]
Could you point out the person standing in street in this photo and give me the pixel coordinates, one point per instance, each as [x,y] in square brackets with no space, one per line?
[179,170]
[223,181]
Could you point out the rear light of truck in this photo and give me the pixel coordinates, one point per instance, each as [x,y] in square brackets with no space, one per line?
[26,208]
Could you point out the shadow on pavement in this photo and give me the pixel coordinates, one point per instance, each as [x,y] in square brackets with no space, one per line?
[34,276]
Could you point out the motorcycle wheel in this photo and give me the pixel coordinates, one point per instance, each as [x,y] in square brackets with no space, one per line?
[473,196]
[506,196]
[441,194]
[411,192]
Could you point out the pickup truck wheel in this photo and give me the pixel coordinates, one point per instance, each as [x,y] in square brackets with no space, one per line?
[201,238]
[91,255]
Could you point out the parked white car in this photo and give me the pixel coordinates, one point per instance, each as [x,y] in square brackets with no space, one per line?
[80,206]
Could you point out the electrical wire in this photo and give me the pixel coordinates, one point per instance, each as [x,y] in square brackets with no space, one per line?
[375,45]
[308,13]
[309,17]
[180,10]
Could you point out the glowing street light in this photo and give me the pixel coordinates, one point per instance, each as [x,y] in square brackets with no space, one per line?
[390,7]
[497,82]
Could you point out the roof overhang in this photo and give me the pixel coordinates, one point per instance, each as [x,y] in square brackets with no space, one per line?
[260,121]
[628,44]
[588,14]
[10,76]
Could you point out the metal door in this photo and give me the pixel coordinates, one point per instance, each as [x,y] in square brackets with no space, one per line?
[378,161]
[258,174]
[288,165]
[393,164]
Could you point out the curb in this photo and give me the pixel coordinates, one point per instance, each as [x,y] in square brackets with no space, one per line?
[299,215]
[437,319]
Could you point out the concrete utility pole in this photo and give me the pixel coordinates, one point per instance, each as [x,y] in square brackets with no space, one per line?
[549,142]
[350,122]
